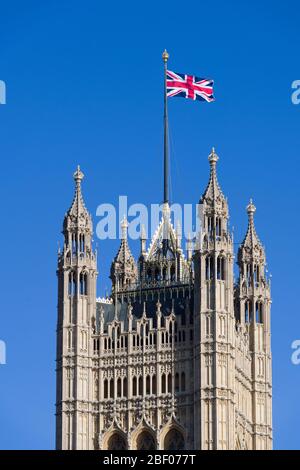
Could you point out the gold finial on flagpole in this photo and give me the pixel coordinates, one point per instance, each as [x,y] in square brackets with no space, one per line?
[165,56]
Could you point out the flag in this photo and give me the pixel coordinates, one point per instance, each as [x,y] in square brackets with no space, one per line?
[189,86]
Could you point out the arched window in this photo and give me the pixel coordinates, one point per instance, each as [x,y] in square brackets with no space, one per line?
[176,382]
[81,242]
[154,384]
[209,225]
[148,391]
[218,226]
[169,383]
[111,388]
[134,386]
[163,383]
[221,268]
[117,442]
[209,267]
[164,274]
[119,388]
[145,441]
[74,244]
[248,273]
[83,283]
[125,387]
[140,385]
[72,284]
[256,274]
[172,273]
[174,440]
[105,388]
[182,381]
[248,311]
[259,312]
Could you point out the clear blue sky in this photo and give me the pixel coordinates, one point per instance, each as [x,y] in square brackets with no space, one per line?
[84,85]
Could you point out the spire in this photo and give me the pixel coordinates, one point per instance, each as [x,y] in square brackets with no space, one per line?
[123,268]
[213,192]
[252,244]
[78,215]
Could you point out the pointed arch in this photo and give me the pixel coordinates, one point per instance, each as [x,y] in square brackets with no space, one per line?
[174,440]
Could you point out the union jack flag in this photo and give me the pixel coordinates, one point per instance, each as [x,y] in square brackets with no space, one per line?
[189,86]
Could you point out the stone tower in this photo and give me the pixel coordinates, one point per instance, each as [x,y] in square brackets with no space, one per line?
[214,322]
[77,274]
[253,301]
[178,356]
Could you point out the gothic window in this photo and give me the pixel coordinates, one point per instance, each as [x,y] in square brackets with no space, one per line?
[134,386]
[218,226]
[96,345]
[221,268]
[74,244]
[149,275]
[145,441]
[148,385]
[174,440]
[157,274]
[81,242]
[169,383]
[256,274]
[259,312]
[105,388]
[154,384]
[176,382]
[209,267]
[164,274]
[248,273]
[119,388]
[209,225]
[111,388]
[140,385]
[248,311]
[172,273]
[125,387]
[133,341]
[83,284]
[72,284]
[117,442]
[163,383]
[182,381]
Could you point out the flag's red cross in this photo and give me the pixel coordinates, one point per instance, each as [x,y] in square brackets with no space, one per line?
[189,86]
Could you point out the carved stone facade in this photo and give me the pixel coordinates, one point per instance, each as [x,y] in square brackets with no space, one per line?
[178,357]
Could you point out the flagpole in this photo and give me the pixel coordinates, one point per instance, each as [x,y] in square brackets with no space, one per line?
[165,57]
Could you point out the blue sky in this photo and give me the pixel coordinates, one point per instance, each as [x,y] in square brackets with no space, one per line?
[84,85]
